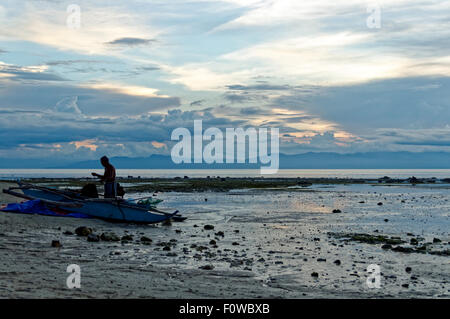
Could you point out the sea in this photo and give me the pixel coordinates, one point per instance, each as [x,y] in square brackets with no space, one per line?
[12,174]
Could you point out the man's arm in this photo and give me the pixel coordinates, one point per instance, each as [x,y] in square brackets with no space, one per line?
[102,177]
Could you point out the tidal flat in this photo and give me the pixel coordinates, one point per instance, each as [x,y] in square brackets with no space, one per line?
[243,238]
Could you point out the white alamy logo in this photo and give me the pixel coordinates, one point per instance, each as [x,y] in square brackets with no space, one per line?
[235,149]
[74,279]
[374,278]
[374,19]
[73,20]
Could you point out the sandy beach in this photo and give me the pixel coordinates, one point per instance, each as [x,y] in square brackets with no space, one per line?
[282,242]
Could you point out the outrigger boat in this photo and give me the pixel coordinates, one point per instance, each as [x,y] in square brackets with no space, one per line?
[111,209]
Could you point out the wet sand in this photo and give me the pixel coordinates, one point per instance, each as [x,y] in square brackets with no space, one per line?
[265,243]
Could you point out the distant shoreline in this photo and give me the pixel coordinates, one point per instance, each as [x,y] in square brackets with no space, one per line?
[225,184]
[13,174]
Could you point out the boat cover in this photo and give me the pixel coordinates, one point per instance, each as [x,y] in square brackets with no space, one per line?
[39,208]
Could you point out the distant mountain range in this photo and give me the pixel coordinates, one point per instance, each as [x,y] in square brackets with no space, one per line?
[372,160]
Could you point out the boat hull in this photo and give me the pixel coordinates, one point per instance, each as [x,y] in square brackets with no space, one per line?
[118,211]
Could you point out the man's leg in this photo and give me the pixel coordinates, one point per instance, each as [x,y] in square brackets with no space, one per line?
[109,190]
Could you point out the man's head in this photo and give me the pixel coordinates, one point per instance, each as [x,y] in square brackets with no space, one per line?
[105,161]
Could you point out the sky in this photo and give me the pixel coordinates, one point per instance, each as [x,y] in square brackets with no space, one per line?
[333,76]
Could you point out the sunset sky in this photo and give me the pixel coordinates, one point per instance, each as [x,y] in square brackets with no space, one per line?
[135,70]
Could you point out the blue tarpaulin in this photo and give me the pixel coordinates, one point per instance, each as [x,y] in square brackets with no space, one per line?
[39,208]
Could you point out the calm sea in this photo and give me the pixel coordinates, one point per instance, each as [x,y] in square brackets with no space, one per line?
[340,173]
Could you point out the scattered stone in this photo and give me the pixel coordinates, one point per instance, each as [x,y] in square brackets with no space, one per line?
[167,222]
[321,259]
[403,249]
[386,246]
[146,239]
[178,231]
[109,237]
[337,262]
[441,253]
[207,267]
[93,238]
[408,269]
[436,240]
[56,243]
[68,233]
[386,220]
[336,211]
[236,263]
[220,233]
[83,231]
[127,238]
[380,204]
[315,275]
[367,238]
[405,285]
[235,243]
[414,241]
[166,248]
[212,242]
[208,227]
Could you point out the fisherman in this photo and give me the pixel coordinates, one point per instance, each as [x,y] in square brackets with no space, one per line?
[109,178]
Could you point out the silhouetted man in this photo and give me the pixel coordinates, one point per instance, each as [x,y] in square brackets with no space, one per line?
[109,178]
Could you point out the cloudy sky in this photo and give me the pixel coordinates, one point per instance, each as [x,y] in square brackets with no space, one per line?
[131,71]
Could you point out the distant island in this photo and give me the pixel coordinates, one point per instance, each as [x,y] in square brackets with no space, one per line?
[311,160]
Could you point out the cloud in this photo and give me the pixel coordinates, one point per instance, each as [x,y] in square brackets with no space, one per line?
[200,77]
[259,87]
[290,12]
[92,99]
[250,111]
[429,138]
[325,43]
[46,24]
[68,104]
[37,73]
[62,131]
[128,41]
[149,68]
[314,70]
[197,103]
[237,98]
[379,104]
[70,62]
